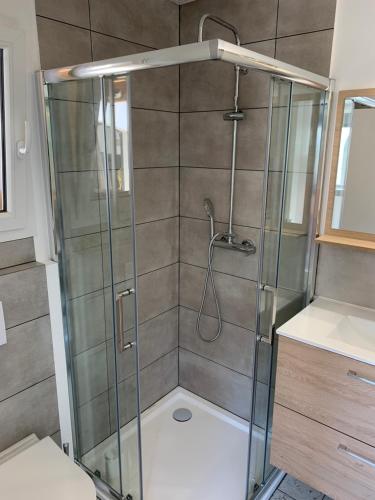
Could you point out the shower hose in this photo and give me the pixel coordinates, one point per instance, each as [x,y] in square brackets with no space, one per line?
[209,277]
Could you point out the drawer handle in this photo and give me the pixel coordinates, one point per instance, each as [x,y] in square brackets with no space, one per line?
[361,458]
[354,375]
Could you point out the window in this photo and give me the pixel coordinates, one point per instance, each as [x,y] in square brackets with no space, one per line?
[24,209]
[3,173]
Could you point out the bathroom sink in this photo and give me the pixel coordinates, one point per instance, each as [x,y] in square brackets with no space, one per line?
[355,331]
[338,327]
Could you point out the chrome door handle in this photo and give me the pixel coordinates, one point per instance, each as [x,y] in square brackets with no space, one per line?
[356,456]
[353,374]
[267,339]
[120,320]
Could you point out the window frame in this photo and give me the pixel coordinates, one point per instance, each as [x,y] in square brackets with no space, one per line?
[15,221]
[4,186]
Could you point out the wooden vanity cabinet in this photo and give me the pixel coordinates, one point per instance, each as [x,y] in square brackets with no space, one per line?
[324,420]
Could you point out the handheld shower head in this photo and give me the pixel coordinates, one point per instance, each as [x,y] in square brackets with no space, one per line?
[209,208]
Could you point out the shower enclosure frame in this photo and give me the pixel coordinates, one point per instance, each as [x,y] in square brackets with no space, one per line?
[196,52]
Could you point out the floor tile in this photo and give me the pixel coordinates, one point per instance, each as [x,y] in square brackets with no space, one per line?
[279,495]
[298,490]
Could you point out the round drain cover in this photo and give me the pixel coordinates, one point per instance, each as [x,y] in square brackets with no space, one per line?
[182,415]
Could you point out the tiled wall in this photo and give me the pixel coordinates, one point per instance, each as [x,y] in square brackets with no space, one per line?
[298,32]
[28,401]
[74,31]
[346,274]
[179,159]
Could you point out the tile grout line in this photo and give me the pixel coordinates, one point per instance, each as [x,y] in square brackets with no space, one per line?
[179,201]
[53,375]
[148,47]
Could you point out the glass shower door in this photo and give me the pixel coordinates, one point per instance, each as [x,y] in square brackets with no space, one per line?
[91,180]
[295,133]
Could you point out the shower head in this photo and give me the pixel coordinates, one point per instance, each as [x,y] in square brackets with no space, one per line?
[209,208]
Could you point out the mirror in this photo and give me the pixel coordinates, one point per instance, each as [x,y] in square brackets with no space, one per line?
[351,203]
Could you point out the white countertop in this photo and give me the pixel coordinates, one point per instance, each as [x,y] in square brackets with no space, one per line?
[335,326]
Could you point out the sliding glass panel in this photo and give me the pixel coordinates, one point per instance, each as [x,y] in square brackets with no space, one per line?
[294,153]
[120,278]
[277,149]
[90,175]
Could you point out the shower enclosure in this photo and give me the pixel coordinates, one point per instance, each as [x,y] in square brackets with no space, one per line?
[129,368]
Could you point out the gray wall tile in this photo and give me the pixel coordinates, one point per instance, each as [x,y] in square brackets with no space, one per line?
[157,244]
[73,131]
[23,293]
[70,11]
[87,320]
[151,89]
[155,138]
[254,23]
[27,358]
[79,203]
[207,85]
[233,349]
[157,292]
[31,411]
[206,140]
[156,337]
[254,86]
[213,84]
[84,272]
[156,193]
[214,382]
[119,255]
[236,296]
[194,238]
[106,47]
[303,16]
[200,183]
[153,23]
[93,420]
[90,372]
[158,379]
[75,91]
[16,252]
[346,274]
[127,391]
[120,202]
[61,44]
[311,51]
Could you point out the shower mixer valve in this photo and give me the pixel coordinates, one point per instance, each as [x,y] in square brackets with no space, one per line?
[228,241]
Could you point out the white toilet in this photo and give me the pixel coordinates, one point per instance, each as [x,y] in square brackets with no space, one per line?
[39,470]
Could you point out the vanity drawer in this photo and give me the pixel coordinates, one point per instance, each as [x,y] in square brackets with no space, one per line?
[327,460]
[326,387]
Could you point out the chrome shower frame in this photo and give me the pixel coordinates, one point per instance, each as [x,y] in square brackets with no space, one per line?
[210,50]
[215,49]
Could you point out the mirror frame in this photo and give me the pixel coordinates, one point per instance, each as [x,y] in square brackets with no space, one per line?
[343,236]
